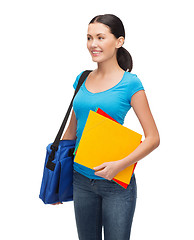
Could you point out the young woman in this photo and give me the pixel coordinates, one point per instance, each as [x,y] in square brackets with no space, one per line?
[98,201]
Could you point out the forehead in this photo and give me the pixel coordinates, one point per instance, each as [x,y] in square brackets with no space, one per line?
[96,28]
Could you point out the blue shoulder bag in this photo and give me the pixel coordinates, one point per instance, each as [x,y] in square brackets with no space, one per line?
[57,180]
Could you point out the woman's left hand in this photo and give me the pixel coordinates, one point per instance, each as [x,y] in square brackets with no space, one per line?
[108,169]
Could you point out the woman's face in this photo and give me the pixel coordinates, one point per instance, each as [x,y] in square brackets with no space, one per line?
[101,43]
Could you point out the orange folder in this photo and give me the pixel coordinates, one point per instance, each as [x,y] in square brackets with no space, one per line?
[122,184]
[104,140]
[100,111]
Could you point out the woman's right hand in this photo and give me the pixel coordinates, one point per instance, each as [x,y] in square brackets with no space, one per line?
[57,203]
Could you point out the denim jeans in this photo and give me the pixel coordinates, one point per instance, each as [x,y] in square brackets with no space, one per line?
[104,203]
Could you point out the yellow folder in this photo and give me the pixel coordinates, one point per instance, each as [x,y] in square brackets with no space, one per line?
[104,140]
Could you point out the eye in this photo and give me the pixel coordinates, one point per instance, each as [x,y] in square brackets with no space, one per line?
[88,38]
[100,38]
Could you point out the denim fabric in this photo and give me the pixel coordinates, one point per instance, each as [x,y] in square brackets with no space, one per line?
[104,203]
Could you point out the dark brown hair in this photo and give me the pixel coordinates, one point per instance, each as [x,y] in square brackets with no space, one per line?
[117,29]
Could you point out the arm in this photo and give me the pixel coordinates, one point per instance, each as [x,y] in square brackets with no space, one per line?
[70,133]
[152,140]
[142,110]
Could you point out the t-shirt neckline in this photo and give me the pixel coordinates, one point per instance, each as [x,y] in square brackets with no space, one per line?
[104,90]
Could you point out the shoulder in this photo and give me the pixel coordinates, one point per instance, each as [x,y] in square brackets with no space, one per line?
[77,79]
[79,75]
[134,84]
[132,78]
[133,81]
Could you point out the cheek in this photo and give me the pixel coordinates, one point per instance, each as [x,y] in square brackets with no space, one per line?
[88,45]
[109,45]
[109,49]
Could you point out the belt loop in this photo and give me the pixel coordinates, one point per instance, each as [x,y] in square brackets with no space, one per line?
[92,181]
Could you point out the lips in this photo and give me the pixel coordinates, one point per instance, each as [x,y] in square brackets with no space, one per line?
[95,52]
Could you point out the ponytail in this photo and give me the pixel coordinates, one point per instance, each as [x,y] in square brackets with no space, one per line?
[124,59]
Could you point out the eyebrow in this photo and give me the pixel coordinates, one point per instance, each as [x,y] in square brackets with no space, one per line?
[97,34]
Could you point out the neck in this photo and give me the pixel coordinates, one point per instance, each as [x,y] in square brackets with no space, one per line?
[109,66]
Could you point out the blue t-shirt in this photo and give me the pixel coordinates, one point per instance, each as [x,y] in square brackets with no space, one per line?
[114,101]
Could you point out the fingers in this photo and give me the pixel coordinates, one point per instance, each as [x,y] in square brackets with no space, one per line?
[101,173]
[99,167]
[57,203]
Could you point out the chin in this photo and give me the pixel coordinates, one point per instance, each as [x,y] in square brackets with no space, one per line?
[98,60]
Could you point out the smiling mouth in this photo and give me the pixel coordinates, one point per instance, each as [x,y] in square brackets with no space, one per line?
[96,53]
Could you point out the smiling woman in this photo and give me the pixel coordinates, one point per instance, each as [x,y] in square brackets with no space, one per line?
[98,201]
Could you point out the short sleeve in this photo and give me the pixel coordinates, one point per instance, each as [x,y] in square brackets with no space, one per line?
[77,80]
[135,85]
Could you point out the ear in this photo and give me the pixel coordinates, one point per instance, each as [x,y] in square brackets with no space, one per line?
[120,42]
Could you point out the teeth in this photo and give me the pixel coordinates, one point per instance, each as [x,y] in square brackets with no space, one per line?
[95,52]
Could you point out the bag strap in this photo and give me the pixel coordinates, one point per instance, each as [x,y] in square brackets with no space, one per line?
[60,132]
[55,144]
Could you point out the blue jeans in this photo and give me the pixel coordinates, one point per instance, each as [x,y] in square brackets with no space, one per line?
[104,203]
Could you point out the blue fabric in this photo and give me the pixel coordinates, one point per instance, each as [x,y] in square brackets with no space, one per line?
[114,101]
[104,203]
[57,184]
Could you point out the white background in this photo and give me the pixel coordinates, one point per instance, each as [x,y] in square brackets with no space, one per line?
[42,50]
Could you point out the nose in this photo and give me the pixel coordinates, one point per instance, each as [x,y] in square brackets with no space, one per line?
[94,43]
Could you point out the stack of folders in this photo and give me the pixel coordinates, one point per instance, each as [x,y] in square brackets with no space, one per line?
[105,140]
